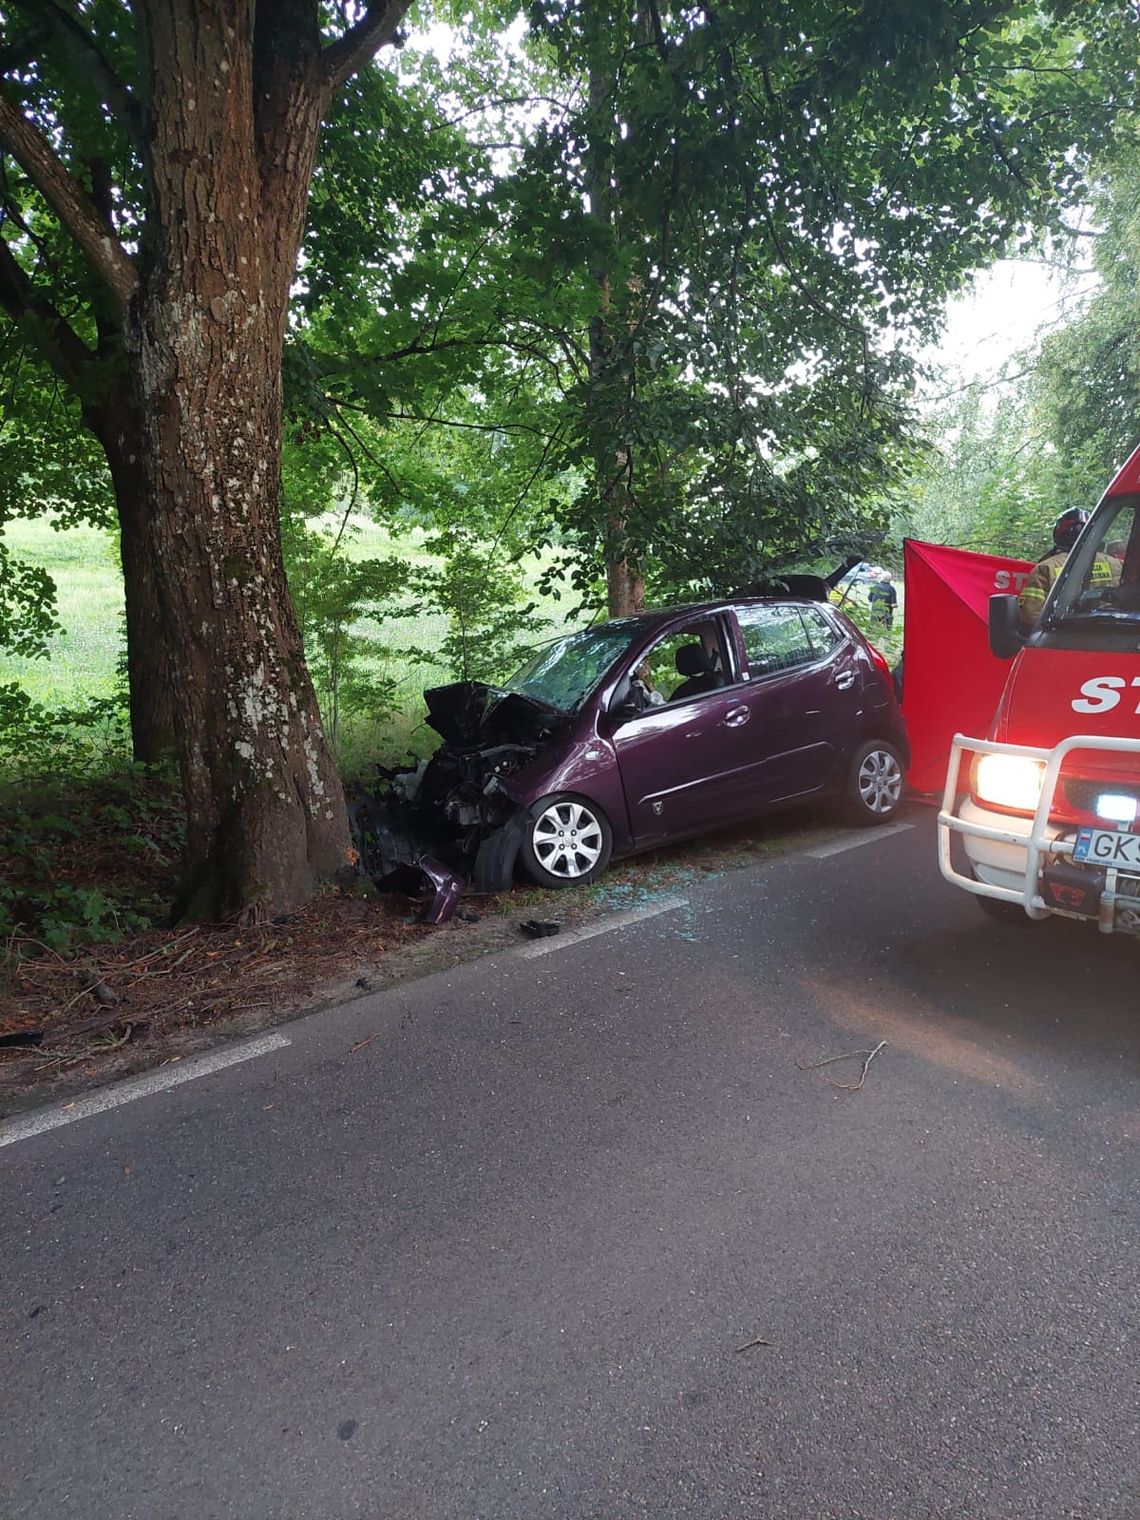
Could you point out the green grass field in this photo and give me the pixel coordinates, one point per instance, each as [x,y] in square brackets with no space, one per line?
[84,564]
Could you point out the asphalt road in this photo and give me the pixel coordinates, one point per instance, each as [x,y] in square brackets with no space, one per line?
[499,1261]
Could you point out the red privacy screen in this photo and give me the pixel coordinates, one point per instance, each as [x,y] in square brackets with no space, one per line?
[951,681]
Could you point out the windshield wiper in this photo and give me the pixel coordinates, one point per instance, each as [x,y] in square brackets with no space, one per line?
[1099,615]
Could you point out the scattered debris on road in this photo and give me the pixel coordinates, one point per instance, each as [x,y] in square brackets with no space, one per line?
[536,928]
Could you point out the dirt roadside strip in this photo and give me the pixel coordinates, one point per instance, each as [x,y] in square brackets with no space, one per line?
[67,1026]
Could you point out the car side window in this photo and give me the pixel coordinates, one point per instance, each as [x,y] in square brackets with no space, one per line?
[774,639]
[686,663]
[823,635]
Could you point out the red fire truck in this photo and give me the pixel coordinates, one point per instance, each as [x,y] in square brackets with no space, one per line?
[1048,806]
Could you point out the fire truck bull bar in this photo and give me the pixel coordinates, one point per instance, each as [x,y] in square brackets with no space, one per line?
[1039,841]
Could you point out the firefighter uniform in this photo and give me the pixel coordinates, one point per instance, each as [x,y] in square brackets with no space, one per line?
[1042,576]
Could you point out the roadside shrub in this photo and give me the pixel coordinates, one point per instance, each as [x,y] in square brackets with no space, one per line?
[38,741]
[492,625]
[337,601]
[88,861]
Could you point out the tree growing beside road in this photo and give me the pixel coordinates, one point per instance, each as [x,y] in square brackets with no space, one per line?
[174,142]
[758,214]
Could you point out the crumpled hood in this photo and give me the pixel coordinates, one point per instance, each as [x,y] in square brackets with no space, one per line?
[449,821]
[468,714]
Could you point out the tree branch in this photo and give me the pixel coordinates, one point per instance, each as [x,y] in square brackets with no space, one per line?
[330,367]
[980,385]
[492,105]
[475,427]
[12,212]
[809,295]
[15,57]
[555,437]
[108,322]
[996,144]
[366,451]
[69,201]
[658,30]
[89,56]
[53,337]
[376,29]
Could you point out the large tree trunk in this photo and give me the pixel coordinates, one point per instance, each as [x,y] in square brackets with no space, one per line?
[120,433]
[611,373]
[265,809]
[223,118]
[625,587]
[611,385]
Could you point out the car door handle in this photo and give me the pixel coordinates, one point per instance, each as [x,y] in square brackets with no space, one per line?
[736,717]
[845,680]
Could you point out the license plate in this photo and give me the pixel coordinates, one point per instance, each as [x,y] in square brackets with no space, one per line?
[1105,847]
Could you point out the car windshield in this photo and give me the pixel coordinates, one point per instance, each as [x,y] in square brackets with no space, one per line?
[562,674]
[1101,581]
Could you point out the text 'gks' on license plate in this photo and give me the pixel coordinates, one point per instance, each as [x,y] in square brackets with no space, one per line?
[1106,847]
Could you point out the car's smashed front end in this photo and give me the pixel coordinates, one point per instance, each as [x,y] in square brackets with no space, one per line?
[451,824]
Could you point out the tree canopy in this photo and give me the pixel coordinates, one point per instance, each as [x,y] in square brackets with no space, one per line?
[1051,434]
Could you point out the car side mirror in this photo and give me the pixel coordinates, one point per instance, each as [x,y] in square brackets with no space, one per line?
[621,712]
[1005,636]
[623,705]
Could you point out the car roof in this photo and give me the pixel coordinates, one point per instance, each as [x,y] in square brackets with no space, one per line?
[650,615]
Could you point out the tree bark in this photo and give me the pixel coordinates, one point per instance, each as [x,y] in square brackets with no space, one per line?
[625,587]
[148,673]
[265,810]
[613,466]
[611,374]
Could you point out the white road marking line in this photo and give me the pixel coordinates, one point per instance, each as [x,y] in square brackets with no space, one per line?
[861,836]
[138,1087]
[607,926]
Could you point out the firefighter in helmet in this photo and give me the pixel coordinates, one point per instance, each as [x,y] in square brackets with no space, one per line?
[1066,531]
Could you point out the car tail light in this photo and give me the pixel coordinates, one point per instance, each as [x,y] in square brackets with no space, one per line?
[880,660]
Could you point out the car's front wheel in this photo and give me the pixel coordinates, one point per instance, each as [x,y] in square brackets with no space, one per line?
[875,783]
[568,842]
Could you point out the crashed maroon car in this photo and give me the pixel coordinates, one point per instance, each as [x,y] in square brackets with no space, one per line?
[634,733]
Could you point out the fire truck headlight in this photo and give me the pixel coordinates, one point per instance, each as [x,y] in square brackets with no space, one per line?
[1009,781]
[1118,808]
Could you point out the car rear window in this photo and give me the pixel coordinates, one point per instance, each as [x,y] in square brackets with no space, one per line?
[774,639]
[822,633]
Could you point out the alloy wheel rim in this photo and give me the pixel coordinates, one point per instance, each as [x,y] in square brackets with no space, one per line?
[880,781]
[567,840]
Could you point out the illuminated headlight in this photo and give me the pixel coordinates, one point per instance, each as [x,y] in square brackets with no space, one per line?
[1009,781]
[1119,809]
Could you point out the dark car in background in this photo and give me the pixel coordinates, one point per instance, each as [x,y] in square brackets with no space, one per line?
[638,732]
